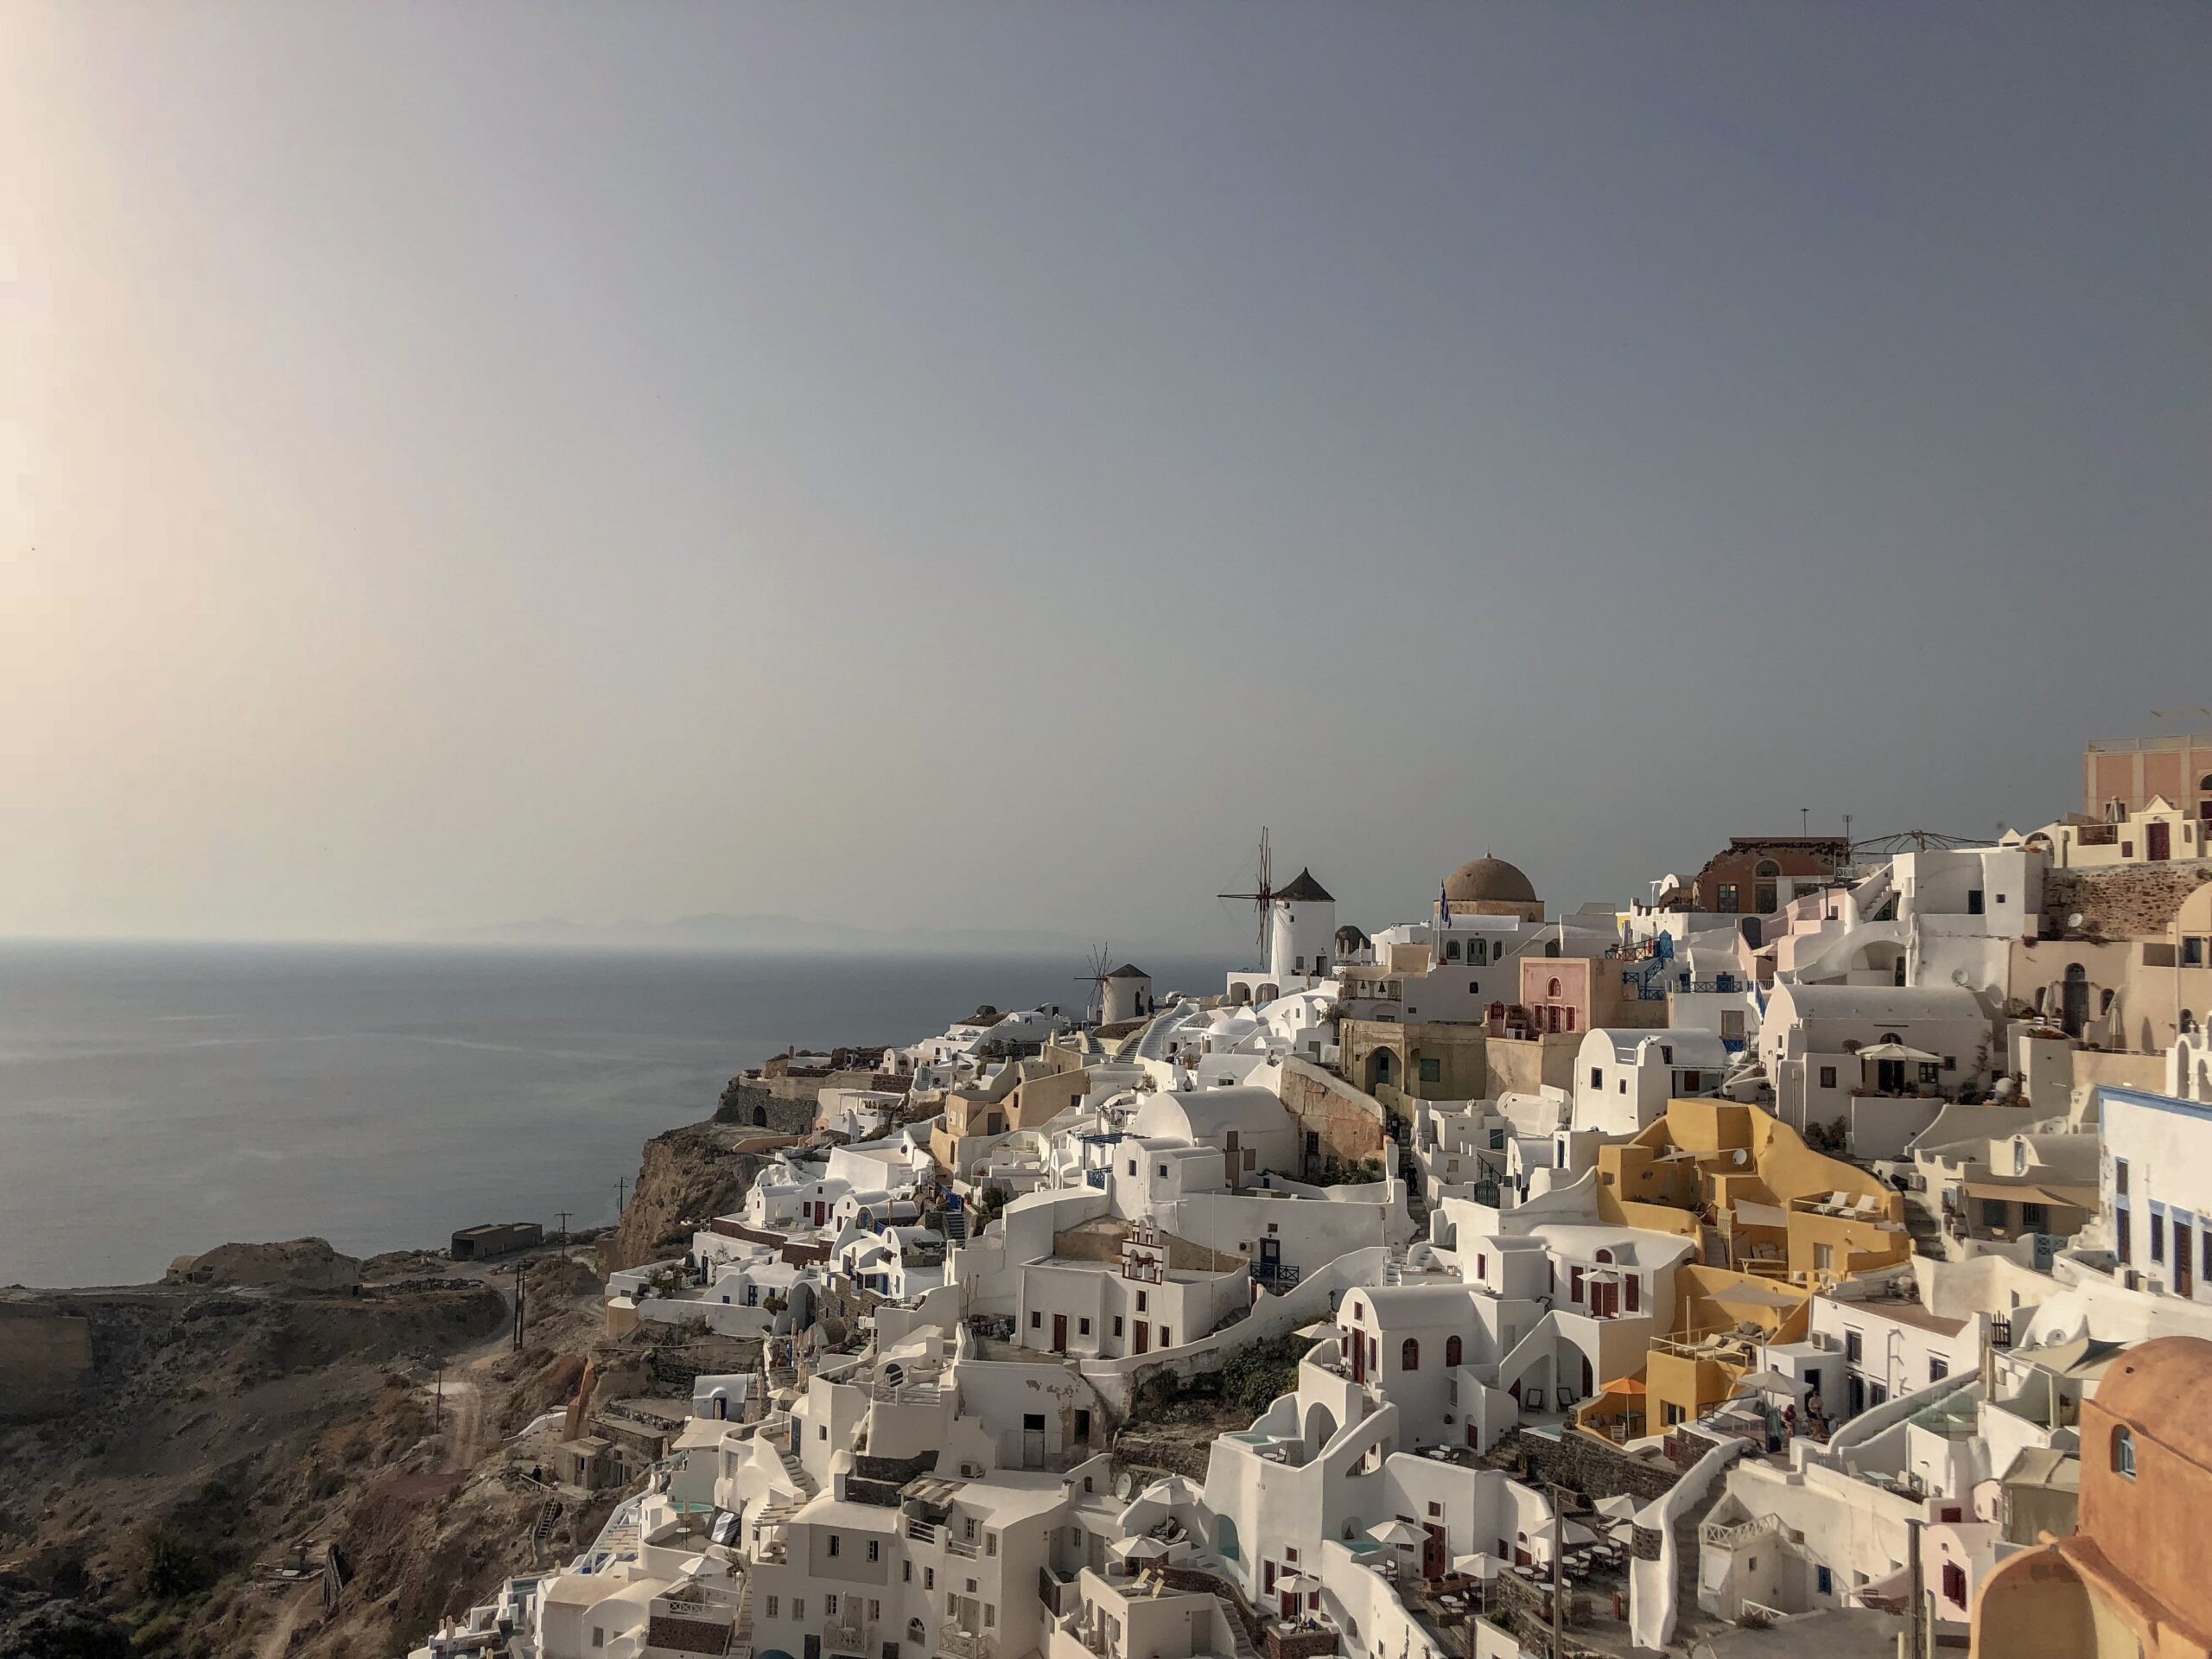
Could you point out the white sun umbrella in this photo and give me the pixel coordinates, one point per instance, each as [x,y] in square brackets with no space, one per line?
[1291,1578]
[1139,1548]
[1480,1564]
[1174,1492]
[1620,1507]
[1896,1051]
[1396,1532]
[1770,1383]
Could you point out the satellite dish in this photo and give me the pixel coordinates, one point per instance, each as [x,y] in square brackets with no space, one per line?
[2075,920]
[1742,1156]
[1124,1483]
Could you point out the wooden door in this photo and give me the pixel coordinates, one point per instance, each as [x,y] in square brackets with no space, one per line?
[1059,1333]
[1144,1338]
[2161,841]
[2184,1240]
[1434,1557]
[1358,1357]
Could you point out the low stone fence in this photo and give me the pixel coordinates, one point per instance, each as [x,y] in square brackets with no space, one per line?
[1583,1463]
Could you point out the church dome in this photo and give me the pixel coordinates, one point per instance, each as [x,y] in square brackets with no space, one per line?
[1490,880]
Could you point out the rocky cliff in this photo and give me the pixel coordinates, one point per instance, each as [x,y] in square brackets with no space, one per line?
[688,1177]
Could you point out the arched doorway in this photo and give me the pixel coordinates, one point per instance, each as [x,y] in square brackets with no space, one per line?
[1889,1075]
[2076,1013]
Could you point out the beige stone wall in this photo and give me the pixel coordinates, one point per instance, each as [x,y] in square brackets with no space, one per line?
[1526,1064]
[1348,1121]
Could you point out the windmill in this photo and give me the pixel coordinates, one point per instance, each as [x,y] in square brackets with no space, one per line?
[1264,894]
[1096,979]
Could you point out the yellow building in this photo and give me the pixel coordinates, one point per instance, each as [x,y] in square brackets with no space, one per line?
[1773,1222]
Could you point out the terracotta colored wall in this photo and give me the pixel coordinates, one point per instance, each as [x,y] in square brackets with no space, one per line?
[2033,1607]
[2147,1526]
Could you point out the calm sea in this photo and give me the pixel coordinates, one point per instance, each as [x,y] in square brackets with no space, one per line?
[158,1100]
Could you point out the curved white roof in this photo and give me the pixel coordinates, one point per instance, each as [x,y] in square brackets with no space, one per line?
[1204,1116]
[1691,1048]
[1631,1246]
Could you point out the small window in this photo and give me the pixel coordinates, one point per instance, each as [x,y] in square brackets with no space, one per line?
[1828,1077]
[1854,1347]
[1166,1337]
[1974,905]
[874,1549]
[1143,1302]
[2157,1236]
[2120,1176]
[2123,1453]
[772,1606]
[1117,1325]
[1036,1320]
[830,1606]
[835,1543]
[1452,1350]
[1938,1368]
[1596,1076]
[1082,1327]
[1409,1355]
[1432,1070]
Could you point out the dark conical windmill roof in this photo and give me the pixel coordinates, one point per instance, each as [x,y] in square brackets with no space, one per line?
[1305,890]
[1128,970]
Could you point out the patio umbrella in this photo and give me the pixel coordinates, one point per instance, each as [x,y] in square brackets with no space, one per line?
[1899,1052]
[1175,1491]
[1620,1507]
[1396,1532]
[1770,1383]
[1138,1549]
[1291,1578]
[1480,1564]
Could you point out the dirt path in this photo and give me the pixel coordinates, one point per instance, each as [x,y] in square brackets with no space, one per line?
[466,1380]
[277,1641]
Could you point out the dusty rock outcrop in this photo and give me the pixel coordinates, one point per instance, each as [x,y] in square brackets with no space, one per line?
[295,1264]
[688,1177]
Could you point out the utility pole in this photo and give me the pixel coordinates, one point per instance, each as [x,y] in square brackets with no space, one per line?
[621,1195]
[563,1214]
[1559,1531]
[521,1292]
[1919,1637]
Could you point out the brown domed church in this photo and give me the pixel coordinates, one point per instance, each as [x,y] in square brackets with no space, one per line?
[1491,886]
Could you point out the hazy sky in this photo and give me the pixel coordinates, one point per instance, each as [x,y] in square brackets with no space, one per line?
[953,464]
